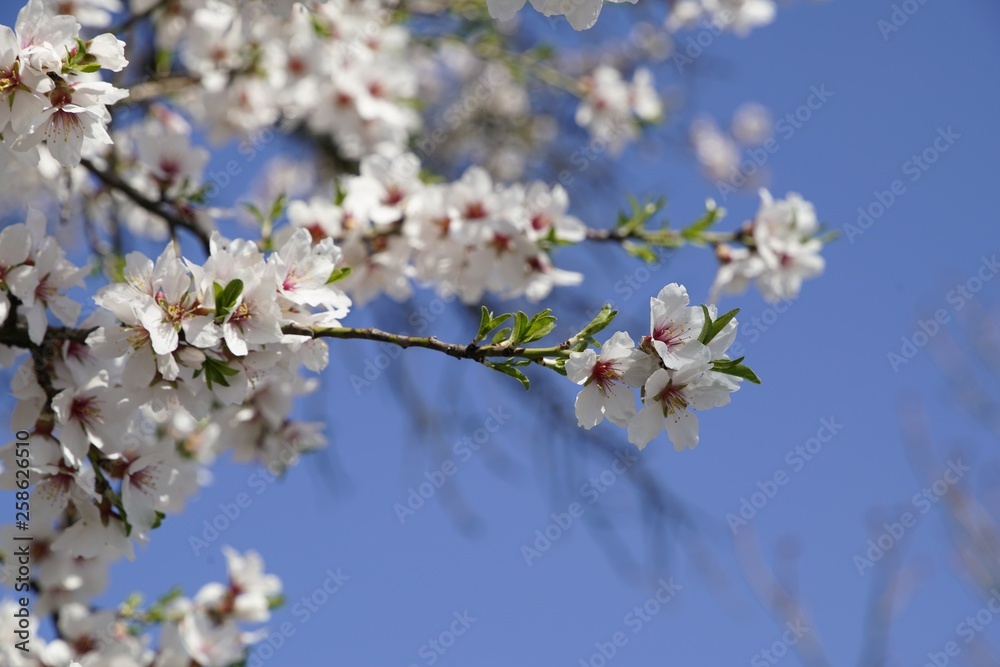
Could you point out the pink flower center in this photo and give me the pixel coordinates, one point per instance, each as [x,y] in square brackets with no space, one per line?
[475,211]
[86,410]
[605,375]
[672,397]
[670,334]
[241,315]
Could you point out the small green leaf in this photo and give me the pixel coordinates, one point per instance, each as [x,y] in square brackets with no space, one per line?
[520,328]
[488,323]
[702,224]
[216,372]
[509,368]
[254,211]
[600,321]
[539,326]
[501,335]
[736,369]
[278,207]
[338,274]
[713,329]
[226,298]
[642,251]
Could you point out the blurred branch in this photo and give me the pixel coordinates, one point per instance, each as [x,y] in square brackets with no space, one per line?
[158,208]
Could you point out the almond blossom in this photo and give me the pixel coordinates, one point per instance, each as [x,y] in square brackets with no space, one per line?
[606,378]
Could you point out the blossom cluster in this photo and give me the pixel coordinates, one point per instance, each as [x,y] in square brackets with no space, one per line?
[781,248]
[205,630]
[157,158]
[50,90]
[341,68]
[581,14]
[680,366]
[180,363]
[464,237]
[740,16]
[613,109]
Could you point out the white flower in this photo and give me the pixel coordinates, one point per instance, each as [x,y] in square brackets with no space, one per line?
[15,244]
[669,397]
[109,51]
[87,414]
[783,234]
[546,209]
[91,13]
[303,272]
[255,318]
[581,14]
[75,121]
[210,644]
[675,327]
[249,593]
[40,285]
[607,381]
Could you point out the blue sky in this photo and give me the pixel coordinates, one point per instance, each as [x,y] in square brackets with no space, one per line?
[824,358]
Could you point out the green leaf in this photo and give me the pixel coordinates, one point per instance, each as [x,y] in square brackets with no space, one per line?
[735,368]
[488,323]
[509,368]
[712,329]
[641,250]
[702,224]
[600,321]
[91,68]
[520,328]
[539,326]
[501,335]
[226,298]
[254,211]
[338,274]
[278,207]
[216,372]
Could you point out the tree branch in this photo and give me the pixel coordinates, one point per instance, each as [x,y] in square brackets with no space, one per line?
[471,351]
[174,220]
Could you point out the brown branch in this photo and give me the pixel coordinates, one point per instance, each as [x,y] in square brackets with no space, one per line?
[174,220]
